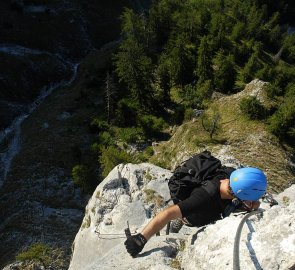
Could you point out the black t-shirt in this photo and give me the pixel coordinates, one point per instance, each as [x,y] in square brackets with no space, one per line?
[200,208]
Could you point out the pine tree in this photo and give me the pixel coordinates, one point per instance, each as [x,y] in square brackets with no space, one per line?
[224,72]
[133,26]
[161,20]
[182,60]
[250,69]
[135,69]
[204,67]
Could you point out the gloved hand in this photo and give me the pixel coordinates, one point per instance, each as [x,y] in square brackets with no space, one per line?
[135,244]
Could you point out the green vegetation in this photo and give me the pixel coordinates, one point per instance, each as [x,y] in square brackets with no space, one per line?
[111,156]
[42,253]
[253,108]
[84,177]
[180,45]
[281,123]
[152,197]
[87,222]
[175,55]
[211,123]
[38,252]
[175,263]
[286,200]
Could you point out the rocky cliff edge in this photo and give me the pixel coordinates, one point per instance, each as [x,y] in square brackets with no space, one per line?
[135,193]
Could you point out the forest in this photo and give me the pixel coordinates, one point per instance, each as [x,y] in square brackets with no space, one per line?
[174,56]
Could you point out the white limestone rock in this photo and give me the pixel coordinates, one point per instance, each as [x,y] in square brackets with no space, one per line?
[267,242]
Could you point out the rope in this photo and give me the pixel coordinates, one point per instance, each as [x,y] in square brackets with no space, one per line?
[236,254]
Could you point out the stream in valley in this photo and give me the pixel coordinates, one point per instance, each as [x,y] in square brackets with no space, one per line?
[10,137]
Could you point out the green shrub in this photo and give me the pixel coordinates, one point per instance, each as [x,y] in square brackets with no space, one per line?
[98,125]
[111,157]
[284,74]
[252,107]
[188,114]
[194,96]
[152,125]
[126,113]
[177,116]
[204,91]
[36,252]
[95,148]
[129,135]
[248,72]
[106,138]
[84,177]
[273,90]
[281,123]
[146,154]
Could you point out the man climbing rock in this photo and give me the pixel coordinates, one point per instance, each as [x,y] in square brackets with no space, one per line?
[207,202]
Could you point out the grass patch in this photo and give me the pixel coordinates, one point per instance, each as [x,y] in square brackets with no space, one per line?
[97,195]
[148,176]
[87,222]
[286,200]
[175,263]
[152,197]
[43,254]
[181,245]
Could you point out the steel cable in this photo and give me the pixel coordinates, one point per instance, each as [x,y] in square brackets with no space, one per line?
[236,253]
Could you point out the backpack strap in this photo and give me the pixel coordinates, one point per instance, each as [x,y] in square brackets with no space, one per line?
[210,189]
[235,203]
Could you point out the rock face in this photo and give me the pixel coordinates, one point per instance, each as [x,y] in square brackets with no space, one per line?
[39,44]
[135,193]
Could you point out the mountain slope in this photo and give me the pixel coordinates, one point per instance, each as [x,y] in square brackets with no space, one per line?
[247,141]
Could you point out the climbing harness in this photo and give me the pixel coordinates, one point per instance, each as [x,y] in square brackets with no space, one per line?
[232,207]
[268,198]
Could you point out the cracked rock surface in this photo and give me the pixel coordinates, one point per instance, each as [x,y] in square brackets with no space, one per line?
[267,241]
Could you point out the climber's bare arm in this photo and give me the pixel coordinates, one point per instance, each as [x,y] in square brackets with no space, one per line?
[160,220]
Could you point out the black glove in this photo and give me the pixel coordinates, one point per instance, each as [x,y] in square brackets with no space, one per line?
[134,244]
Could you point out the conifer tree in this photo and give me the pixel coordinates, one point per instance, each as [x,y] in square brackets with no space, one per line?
[162,21]
[204,67]
[135,69]
[133,26]
[224,72]
[249,70]
[182,60]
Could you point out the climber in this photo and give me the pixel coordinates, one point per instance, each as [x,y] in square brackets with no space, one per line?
[247,185]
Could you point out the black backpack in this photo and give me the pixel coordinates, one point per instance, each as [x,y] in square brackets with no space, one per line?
[194,172]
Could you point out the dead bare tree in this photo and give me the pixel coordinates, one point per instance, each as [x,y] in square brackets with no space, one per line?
[109,92]
[211,125]
[278,55]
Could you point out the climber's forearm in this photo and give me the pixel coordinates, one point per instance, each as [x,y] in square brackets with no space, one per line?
[160,220]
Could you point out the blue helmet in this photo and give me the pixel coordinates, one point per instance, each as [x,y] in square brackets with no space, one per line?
[248,183]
